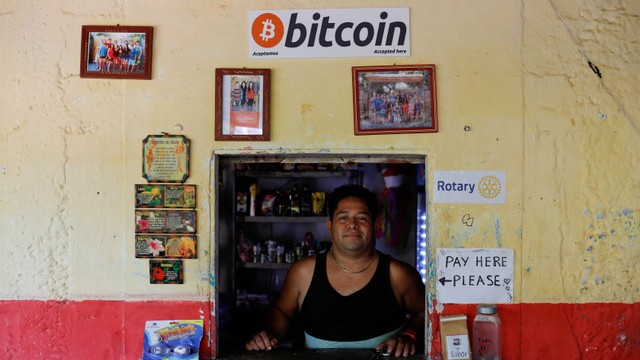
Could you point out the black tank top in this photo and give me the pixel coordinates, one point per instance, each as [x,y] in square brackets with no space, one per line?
[365,314]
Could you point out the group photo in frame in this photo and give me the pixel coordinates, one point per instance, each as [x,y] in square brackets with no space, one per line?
[394,99]
[116,52]
[242,101]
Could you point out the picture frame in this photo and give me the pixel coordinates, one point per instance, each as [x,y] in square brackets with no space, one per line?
[394,99]
[237,116]
[103,54]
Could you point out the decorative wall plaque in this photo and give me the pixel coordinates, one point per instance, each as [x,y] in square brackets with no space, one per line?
[165,158]
[165,221]
[165,196]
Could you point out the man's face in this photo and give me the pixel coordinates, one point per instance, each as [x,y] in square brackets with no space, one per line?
[352,227]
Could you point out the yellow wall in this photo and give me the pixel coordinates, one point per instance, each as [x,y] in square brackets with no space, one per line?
[70,148]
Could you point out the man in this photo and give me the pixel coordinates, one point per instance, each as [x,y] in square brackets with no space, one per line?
[351,296]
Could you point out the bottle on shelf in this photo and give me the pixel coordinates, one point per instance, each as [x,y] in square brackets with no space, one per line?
[253,189]
[294,201]
[486,344]
[280,208]
[305,201]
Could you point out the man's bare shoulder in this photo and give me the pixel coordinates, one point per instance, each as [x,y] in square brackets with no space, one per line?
[402,270]
[303,268]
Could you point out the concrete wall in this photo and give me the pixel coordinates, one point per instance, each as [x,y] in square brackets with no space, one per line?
[515,72]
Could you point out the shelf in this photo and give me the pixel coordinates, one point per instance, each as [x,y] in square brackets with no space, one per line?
[266,266]
[281,219]
[298,174]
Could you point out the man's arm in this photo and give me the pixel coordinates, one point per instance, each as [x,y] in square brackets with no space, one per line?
[282,311]
[410,292]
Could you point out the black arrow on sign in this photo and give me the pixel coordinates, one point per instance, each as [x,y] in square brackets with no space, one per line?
[444,281]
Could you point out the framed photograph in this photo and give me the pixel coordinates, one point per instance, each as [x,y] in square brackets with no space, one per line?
[394,99]
[242,104]
[116,52]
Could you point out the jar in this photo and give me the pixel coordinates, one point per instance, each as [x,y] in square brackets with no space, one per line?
[486,333]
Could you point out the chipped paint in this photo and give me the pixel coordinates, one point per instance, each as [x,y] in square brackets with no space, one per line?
[498,234]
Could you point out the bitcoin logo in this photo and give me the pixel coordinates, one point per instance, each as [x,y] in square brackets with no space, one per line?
[489,187]
[267,30]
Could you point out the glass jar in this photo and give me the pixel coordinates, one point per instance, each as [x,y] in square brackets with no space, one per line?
[486,332]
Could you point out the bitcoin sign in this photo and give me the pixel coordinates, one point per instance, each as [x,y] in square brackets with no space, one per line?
[329,33]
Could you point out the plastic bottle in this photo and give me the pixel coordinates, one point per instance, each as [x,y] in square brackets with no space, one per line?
[487,343]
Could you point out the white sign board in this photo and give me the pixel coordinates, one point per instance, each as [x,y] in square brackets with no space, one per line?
[469,187]
[324,33]
[473,276]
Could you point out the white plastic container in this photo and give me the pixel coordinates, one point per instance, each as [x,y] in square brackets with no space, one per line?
[486,333]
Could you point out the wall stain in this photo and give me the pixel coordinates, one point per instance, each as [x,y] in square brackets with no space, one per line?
[304,109]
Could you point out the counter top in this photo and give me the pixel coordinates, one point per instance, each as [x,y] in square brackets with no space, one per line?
[311,354]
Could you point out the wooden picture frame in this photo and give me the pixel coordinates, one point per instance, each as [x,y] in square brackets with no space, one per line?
[394,99]
[103,54]
[242,104]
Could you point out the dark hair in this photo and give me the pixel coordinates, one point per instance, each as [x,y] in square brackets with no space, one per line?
[358,191]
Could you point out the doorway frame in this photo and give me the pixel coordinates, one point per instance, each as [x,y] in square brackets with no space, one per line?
[302,156]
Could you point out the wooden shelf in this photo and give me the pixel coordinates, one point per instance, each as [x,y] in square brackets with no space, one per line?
[298,174]
[266,266]
[281,219]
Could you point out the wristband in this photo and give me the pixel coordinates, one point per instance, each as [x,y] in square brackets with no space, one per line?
[409,334]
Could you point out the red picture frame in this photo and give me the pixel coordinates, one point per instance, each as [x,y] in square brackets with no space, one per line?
[116,52]
[394,99]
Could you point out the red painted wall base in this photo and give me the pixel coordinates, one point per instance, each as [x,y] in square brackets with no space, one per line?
[559,331]
[83,330]
[114,329]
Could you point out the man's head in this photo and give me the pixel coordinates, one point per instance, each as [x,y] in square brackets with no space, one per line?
[358,191]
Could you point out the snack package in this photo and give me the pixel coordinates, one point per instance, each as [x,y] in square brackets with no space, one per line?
[172,340]
[268,202]
[241,202]
[455,337]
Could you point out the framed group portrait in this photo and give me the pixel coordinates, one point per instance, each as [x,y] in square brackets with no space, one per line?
[242,104]
[116,52]
[394,99]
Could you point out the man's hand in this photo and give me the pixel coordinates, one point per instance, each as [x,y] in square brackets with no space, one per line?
[399,346]
[261,341]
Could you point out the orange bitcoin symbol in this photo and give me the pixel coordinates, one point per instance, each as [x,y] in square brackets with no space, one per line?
[267,30]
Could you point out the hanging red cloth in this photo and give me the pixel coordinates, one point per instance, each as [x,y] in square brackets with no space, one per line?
[395,212]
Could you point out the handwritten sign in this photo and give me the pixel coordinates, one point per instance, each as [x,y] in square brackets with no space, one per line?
[471,276]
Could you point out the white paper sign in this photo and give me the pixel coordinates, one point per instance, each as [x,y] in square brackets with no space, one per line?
[458,347]
[323,33]
[469,187]
[472,276]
